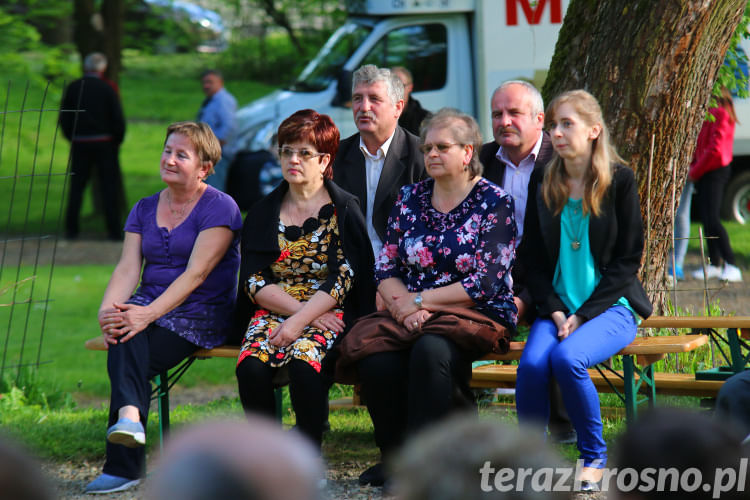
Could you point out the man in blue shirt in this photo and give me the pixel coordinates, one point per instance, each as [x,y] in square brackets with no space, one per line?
[217,111]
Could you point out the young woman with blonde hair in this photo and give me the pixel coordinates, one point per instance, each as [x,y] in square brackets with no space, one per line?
[585,239]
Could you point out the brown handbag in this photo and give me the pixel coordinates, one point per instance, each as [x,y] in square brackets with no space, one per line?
[472,331]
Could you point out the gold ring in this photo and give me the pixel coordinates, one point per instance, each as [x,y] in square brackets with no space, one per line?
[415,323]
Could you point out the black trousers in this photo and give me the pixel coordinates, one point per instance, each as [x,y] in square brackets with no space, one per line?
[733,402]
[710,192]
[101,158]
[308,391]
[130,366]
[407,390]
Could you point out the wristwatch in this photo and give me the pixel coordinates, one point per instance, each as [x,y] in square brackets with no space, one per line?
[418,300]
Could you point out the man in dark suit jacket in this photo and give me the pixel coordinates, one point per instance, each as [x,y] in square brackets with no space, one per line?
[376,162]
[515,161]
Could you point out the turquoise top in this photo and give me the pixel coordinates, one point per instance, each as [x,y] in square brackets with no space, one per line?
[577,283]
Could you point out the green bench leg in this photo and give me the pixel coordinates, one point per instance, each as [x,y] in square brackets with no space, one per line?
[631,387]
[738,361]
[631,391]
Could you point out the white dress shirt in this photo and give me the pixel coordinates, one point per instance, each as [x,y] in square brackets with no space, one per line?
[373,169]
[516,182]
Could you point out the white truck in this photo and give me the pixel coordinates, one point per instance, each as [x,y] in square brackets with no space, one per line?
[459,51]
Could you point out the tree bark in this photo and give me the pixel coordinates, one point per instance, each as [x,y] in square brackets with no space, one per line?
[652,69]
[86,36]
[113,14]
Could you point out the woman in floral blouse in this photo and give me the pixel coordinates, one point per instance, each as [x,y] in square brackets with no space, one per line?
[444,269]
[306,269]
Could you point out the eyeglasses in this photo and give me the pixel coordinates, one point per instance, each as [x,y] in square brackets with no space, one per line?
[302,154]
[442,147]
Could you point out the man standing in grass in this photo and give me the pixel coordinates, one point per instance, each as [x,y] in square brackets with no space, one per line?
[217,111]
[92,120]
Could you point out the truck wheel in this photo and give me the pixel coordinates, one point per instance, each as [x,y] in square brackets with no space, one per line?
[737,198]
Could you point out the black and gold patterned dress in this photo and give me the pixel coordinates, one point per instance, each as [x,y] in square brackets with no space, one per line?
[301,270]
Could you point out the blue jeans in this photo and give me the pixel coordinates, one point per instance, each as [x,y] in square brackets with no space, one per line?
[682,225]
[568,361]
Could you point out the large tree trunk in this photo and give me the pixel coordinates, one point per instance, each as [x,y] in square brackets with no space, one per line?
[652,66]
[113,13]
[87,34]
[100,31]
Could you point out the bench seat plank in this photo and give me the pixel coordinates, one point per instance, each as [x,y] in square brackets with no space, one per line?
[681,384]
[696,322]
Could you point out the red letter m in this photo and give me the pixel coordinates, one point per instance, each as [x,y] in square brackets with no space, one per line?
[533,14]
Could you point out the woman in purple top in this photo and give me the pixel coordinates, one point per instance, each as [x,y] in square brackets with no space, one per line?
[182,245]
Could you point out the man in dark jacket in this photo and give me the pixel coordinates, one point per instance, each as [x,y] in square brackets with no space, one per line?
[376,162]
[414,114]
[515,161]
[91,118]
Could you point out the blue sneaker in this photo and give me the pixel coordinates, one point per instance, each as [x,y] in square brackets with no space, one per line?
[679,274]
[127,433]
[106,483]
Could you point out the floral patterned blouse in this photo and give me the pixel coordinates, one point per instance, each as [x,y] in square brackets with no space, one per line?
[311,260]
[474,244]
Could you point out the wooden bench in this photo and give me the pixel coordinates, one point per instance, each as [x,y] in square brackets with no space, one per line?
[637,374]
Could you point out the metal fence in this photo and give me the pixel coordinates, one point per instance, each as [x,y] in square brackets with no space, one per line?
[33,173]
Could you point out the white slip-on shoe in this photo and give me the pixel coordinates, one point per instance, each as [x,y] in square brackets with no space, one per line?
[731,273]
[711,271]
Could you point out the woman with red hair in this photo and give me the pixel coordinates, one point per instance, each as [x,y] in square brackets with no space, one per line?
[306,274]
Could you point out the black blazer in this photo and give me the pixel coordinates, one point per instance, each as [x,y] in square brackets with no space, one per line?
[260,248]
[404,164]
[494,171]
[616,241]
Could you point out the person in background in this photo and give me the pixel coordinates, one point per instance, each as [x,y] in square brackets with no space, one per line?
[414,114]
[270,174]
[585,240]
[710,172]
[515,161]
[681,231]
[307,269]
[92,119]
[182,246]
[444,275]
[217,111]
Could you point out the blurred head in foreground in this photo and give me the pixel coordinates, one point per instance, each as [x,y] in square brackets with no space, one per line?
[252,459]
[689,453]
[21,476]
[464,458]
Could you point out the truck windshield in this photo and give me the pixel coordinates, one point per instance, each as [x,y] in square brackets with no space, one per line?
[326,66]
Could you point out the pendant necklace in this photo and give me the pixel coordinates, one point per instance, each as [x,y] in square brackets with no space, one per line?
[179,214]
[575,236]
